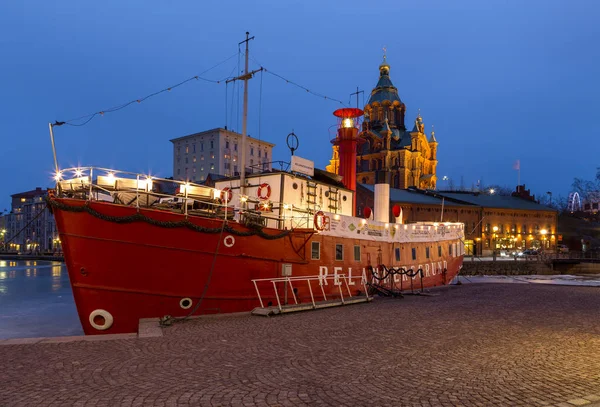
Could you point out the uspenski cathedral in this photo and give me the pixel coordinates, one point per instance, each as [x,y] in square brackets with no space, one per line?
[387,151]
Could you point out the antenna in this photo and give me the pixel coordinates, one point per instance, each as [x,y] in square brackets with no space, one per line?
[357,93]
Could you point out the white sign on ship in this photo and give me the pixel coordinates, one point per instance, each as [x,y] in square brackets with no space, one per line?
[303,166]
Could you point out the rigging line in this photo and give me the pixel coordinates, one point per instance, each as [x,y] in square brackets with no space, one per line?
[119,107]
[296,84]
[260,104]
[304,88]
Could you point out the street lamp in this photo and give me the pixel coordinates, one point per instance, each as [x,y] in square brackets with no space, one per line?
[543,232]
[495,229]
[492,191]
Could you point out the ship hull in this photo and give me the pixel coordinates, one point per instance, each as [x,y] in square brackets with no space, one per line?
[149,268]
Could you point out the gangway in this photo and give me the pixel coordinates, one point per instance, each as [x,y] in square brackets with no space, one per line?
[334,300]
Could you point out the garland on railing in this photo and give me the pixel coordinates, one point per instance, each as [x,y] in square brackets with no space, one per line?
[254,230]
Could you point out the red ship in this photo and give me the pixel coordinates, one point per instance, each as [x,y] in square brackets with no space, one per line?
[140,247]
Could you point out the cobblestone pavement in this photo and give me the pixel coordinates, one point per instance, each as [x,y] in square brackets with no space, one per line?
[471,345]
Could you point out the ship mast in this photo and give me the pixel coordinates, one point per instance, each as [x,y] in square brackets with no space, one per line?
[245,77]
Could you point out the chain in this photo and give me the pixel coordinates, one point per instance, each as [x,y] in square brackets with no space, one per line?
[254,230]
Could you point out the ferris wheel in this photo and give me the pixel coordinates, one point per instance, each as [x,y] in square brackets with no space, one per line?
[574,203]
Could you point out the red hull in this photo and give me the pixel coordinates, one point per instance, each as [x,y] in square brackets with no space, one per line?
[140,270]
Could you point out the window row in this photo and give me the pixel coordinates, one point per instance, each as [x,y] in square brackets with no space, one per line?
[453,250]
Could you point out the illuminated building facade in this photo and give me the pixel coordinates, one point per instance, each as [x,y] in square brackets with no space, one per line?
[30,226]
[388,152]
[506,223]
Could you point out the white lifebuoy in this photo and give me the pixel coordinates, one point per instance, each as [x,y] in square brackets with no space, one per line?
[108,319]
[229,241]
[185,303]
[264,191]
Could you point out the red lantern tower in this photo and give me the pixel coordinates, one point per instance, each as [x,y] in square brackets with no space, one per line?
[347,141]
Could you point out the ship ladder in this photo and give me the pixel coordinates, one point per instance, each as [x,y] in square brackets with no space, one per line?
[283,285]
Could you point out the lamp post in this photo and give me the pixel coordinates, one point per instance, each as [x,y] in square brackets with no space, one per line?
[543,232]
[495,229]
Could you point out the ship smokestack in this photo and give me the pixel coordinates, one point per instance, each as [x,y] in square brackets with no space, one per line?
[382,202]
[347,140]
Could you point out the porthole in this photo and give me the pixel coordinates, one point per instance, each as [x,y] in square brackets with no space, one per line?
[344,198]
[327,194]
[295,185]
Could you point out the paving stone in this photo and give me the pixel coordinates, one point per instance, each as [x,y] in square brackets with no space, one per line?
[473,345]
[579,402]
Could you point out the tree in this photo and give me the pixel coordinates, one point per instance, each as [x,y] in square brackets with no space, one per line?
[586,188]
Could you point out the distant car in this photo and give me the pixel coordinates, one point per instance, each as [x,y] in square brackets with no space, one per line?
[562,248]
[530,252]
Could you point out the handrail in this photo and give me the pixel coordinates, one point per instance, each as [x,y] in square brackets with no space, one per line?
[339,279]
[81,180]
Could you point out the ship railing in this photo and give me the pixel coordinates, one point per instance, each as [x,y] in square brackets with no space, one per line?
[148,191]
[142,190]
[338,280]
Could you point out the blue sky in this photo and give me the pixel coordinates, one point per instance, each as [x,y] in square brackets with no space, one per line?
[500,80]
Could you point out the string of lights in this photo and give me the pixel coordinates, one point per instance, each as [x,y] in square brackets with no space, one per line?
[90,116]
[298,85]
[87,118]
[302,87]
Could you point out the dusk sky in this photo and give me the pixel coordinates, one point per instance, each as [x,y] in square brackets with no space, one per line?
[500,80]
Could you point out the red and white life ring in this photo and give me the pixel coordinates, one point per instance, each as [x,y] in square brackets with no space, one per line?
[321,221]
[264,191]
[226,192]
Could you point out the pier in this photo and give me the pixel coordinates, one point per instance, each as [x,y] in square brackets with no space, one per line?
[469,345]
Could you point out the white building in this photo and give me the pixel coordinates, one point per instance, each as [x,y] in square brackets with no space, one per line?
[217,151]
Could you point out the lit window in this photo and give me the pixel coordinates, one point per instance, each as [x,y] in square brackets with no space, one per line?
[212,155]
[339,252]
[187,149]
[357,253]
[315,252]
[212,166]
[194,159]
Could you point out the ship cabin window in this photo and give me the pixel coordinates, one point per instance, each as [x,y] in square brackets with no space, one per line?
[315,251]
[339,251]
[357,253]
[397,252]
[450,249]
[414,253]
[427,252]
[439,251]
